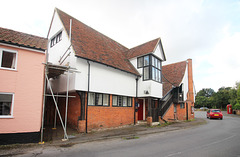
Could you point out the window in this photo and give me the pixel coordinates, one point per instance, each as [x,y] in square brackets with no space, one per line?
[151,68]
[6,104]
[121,101]
[98,99]
[8,59]
[182,105]
[140,62]
[56,39]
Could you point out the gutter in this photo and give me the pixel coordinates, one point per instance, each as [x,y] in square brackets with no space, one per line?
[135,101]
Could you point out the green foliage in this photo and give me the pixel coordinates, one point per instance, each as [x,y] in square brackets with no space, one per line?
[236,107]
[206,92]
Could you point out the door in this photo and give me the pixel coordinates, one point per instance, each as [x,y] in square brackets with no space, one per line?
[140,109]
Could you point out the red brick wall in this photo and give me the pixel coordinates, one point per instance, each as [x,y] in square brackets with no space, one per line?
[170,114]
[107,117]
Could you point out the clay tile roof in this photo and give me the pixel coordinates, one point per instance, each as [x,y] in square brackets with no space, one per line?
[174,73]
[22,39]
[92,45]
[143,49]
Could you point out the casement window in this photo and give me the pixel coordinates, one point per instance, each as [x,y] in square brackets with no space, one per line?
[8,59]
[56,39]
[98,99]
[182,105]
[6,105]
[121,101]
[152,68]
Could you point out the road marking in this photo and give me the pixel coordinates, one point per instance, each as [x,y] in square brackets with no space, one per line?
[174,154]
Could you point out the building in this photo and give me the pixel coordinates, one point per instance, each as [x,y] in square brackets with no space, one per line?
[110,85]
[21,86]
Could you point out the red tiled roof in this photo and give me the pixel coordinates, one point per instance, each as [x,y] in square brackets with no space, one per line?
[92,45]
[143,49]
[174,73]
[22,39]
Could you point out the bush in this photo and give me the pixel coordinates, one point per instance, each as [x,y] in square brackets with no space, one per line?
[236,106]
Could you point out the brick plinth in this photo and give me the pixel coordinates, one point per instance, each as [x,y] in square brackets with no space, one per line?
[82,126]
[149,121]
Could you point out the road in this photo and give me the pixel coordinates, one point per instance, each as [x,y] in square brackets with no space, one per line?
[218,138]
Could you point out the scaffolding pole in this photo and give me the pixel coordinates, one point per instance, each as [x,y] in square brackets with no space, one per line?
[64,129]
[66,102]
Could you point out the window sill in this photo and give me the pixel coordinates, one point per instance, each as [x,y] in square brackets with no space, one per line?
[1,68]
[6,117]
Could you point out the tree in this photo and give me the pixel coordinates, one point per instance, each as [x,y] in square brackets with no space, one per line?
[222,97]
[207,92]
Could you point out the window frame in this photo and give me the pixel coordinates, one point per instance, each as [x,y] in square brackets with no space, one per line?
[122,97]
[12,106]
[9,51]
[56,38]
[95,98]
[154,67]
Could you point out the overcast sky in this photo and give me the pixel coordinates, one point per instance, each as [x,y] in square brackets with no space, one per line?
[208,31]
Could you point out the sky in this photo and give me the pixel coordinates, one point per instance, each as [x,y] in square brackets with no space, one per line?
[207,31]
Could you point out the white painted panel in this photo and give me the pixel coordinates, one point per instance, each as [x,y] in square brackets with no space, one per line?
[185,83]
[55,52]
[159,53]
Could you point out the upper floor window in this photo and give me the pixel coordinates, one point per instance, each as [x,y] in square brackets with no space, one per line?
[98,99]
[8,59]
[151,67]
[56,39]
[6,105]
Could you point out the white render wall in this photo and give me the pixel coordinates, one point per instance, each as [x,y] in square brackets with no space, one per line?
[55,52]
[158,52]
[154,88]
[185,83]
[104,79]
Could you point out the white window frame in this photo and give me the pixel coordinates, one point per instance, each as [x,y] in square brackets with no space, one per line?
[12,107]
[10,51]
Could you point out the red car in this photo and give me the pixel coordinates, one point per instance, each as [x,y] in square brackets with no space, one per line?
[214,113]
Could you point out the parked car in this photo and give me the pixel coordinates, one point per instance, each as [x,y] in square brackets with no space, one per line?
[214,113]
[203,108]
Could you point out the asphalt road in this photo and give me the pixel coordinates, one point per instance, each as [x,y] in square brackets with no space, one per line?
[218,138]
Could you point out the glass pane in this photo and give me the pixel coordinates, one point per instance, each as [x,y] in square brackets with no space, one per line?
[140,62]
[157,79]
[146,60]
[105,100]
[91,99]
[124,101]
[98,99]
[114,100]
[146,73]
[8,59]
[5,104]
[153,73]
[159,64]
[119,100]
[129,102]
[160,76]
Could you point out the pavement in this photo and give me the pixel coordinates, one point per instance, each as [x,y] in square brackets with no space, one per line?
[125,132]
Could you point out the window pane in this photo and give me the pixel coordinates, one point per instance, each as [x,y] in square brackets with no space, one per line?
[129,102]
[153,73]
[5,104]
[8,60]
[124,101]
[114,100]
[140,62]
[105,100]
[157,79]
[146,60]
[146,73]
[159,64]
[91,99]
[160,76]
[98,99]
[119,100]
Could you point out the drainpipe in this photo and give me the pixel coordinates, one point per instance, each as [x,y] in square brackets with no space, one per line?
[87,94]
[135,101]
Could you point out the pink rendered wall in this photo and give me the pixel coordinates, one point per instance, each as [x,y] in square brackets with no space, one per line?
[27,85]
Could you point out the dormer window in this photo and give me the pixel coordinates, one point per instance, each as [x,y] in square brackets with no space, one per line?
[152,68]
[56,39]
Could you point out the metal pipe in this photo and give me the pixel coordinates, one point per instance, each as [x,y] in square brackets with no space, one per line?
[87,94]
[55,118]
[135,101]
[66,102]
[43,110]
[65,132]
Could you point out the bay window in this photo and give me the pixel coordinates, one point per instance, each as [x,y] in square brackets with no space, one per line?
[152,68]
